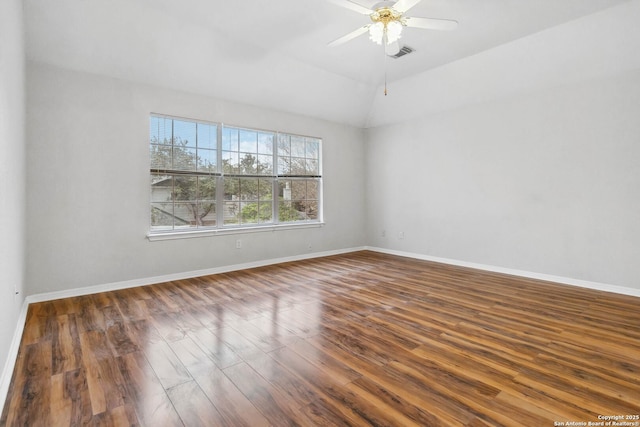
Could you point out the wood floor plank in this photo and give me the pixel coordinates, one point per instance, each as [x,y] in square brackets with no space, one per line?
[301,323]
[324,362]
[265,333]
[239,344]
[275,406]
[166,365]
[297,390]
[34,388]
[98,399]
[120,340]
[193,407]
[144,391]
[65,345]
[234,407]
[356,339]
[215,347]
[103,375]
[60,405]
[76,390]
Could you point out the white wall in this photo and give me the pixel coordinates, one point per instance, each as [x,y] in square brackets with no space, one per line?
[12,172]
[546,182]
[88,188]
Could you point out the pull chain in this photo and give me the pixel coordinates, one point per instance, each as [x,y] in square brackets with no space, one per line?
[385,69]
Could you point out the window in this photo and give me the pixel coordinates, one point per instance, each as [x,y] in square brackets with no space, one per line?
[211,176]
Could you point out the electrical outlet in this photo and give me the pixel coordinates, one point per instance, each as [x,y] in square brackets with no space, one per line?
[238,244]
[384,233]
[401,235]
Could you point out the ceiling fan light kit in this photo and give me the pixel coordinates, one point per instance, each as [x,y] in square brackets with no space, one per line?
[388,20]
[387,24]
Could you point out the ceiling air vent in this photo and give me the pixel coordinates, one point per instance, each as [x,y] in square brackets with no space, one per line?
[405,50]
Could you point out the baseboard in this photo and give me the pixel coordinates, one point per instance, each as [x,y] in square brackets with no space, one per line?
[235,267]
[528,274]
[48,296]
[12,356]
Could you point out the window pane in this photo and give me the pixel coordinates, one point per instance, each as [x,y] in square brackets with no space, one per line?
[161,216]
[257,212]
[206,188]
[161,188]
[298,199]
[265,189]
[298,166]
[284,145]
[313,189]
[184,134]
[288,213]
[184,158]
[229,139]
[284,189]
[298,156]
[265,210]
[231,213]
[184,188]
[265,143]
[230,162]
[160,130]
[248,141]
[298,190]
[312,210]
[284,166]
[206,214]
[313,149]
[265,164]
[248,164]
[248,189]
[184,214]
[231,188]
[207,160]
[207,136]
[297,146]
[160,157]
[249,212]
[312,167]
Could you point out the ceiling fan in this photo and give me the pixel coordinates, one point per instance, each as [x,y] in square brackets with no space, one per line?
[387,22]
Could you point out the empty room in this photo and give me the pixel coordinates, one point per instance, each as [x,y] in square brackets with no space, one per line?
[320,213]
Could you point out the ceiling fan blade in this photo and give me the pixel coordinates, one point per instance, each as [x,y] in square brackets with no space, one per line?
[352,35]
[348,4]
[403,5]
[431,23]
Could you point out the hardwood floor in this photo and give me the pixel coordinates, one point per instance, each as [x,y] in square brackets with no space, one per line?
[349,340]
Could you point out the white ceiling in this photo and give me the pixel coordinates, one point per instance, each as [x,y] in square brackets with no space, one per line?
[274,53]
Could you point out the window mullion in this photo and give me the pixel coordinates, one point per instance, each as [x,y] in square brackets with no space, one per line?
[219,179]
[173,181]
[274,181]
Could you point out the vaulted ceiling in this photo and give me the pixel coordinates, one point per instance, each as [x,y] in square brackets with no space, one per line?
[275,53]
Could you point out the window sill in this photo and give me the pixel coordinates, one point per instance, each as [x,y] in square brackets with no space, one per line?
[173,235]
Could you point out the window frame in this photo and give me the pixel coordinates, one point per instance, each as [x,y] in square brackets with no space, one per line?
[274,177]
